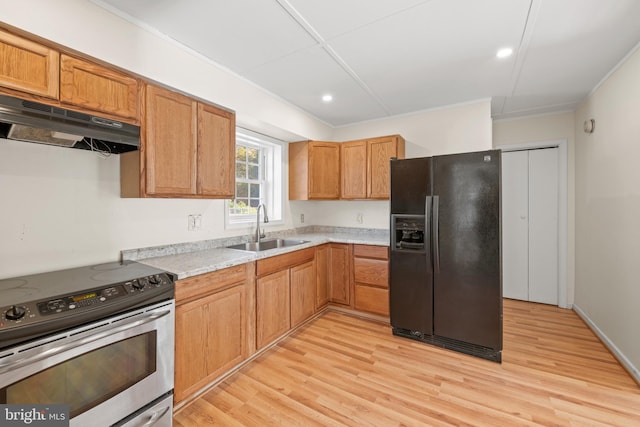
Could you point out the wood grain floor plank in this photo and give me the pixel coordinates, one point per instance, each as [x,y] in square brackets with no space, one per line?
[341,370]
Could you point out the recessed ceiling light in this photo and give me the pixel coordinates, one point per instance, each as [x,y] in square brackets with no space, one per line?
[505,52]
[327,98]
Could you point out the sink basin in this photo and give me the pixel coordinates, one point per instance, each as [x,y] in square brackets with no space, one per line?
[265,245]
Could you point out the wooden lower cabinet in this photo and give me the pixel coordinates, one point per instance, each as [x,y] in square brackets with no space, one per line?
[285,293]
[302,292]
[223,317]
[339,273]
[371,279]
[213,326]
[273,307]
[322,276]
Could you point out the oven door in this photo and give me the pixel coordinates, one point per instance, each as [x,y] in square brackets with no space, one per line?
[104,371]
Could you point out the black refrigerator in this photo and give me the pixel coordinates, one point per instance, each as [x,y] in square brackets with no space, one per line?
[445,278]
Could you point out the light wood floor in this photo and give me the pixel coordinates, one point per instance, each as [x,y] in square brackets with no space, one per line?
[342,370]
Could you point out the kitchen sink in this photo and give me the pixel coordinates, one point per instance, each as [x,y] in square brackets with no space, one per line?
[267,244]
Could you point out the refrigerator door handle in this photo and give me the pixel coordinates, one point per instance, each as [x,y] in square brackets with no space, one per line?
[428,202]
[435,233]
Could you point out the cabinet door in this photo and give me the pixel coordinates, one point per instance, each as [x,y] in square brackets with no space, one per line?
[339,273]
[210,339]
[97,88]
[272,307]
[226,344]
[190,356]
[303,292]
[170,143]
[380,152]
[324,170]
[353,170]
[28,66]
[216,151]
[322,276]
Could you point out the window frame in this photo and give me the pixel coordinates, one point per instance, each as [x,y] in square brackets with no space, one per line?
[272,179]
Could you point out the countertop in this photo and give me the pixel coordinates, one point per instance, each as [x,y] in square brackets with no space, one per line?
[202,261]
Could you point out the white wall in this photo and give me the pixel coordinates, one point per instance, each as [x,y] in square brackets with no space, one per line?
[61,207]
[549,127]
[608,209]
[452,129]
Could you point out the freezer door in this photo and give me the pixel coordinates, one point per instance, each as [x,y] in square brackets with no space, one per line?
[410,185]
[466,234]
[411,292]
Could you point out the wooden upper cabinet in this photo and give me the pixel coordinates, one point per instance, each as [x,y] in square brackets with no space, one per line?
[314,170]
[216,152]
[189,146]
[365,168]
[362,170]
[28,66]
[353,169]
[379,152]
[97,88]
[170,143]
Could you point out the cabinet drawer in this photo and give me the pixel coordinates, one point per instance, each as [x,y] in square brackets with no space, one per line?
[369,251]
[371,271]
[373,300]
[279,262]
[196,286]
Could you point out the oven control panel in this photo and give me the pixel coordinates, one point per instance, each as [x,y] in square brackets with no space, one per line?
[32,312]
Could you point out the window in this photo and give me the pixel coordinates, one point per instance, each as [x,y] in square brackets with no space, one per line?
[258,178]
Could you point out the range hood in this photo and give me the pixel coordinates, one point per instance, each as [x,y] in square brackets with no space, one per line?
[30,121]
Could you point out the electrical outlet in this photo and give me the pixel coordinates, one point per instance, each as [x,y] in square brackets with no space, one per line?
[359,218]
[302,218]
[194,222]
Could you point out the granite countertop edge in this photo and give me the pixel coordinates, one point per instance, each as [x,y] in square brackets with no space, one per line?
[201,261]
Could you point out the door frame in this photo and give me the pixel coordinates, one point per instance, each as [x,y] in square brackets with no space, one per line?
[563,208]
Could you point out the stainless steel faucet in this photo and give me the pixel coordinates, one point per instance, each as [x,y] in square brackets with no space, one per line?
[260,235]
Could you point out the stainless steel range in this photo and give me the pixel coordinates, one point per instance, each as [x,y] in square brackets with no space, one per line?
[99,339]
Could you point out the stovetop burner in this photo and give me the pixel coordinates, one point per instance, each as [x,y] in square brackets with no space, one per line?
[39,304]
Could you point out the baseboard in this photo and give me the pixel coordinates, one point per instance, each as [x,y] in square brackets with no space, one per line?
[626,363]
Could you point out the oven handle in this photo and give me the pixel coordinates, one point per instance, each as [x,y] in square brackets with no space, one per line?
[156,416]
[68,345]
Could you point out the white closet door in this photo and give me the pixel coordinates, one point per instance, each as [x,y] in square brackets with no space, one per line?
[543,226]
[515,226]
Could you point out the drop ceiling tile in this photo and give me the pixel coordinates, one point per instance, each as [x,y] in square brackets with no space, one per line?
[303,77]
[437,53]
[238,34]
[574,45]
[331,18]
